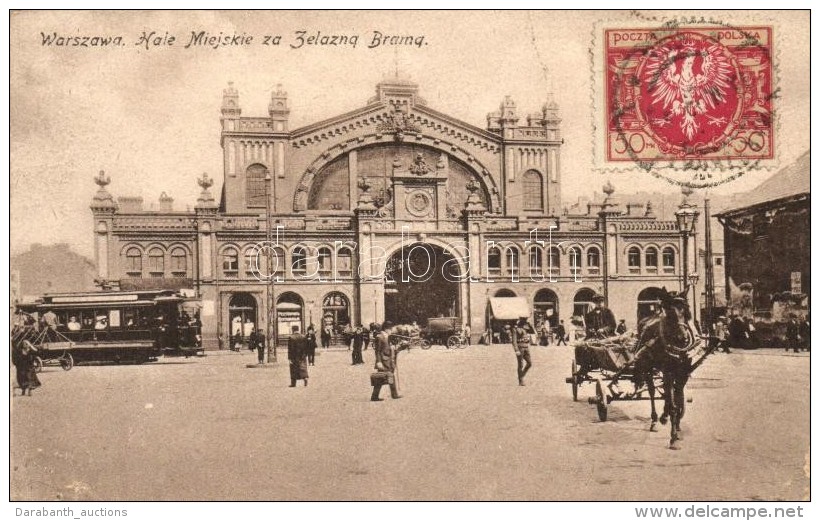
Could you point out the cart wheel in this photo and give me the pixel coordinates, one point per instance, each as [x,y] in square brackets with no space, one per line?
[425,344]
[38,364]
[453,341]
[461,344]
[574,381]
[600,400]
[67,362]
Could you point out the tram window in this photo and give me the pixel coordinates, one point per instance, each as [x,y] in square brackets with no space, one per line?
[114,318]
[130,317]
[100,320]
[87,319]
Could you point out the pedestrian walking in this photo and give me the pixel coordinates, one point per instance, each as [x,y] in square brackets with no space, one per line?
[357,339]
[367,334]
[311,345]
[805,333]
[793,334]
[722,336]
[325,335]
[561,334]
[23,356]
[260,346]
[297,357]
[521,344]
[385,364]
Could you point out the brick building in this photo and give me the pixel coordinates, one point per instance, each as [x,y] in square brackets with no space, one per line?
[393,210]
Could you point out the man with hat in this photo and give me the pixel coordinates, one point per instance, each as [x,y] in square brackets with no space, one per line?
[385,364]
[521,343]
[600,321]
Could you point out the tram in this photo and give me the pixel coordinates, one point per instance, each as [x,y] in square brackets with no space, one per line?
[118,326]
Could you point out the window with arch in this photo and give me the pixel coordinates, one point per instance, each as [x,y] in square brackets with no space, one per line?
[669,259]
[344,262]
[513,260]
[252,265]
[575,260]
[325,258]
[298,262]
[179,262]
[593,260]
[255,185]
[533,190]
[633,259]
[156,262]
[494,259]
[554,261]
[133,262]
[230,262]
[536,260]
[652,258]
[277,259]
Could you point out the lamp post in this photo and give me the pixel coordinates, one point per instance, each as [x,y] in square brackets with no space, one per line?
[686,217]
[693,282]
[269,257]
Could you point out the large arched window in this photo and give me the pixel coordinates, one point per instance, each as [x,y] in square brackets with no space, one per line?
[582,302]
[325,258]
[230,262]
[494,259]
[156,262]
[533,190]
[513,260]
[669,259]
[133,262]
[593,260]
[255,263]
[633,259]
[255,185]
[536,260]
[344,262]
[652,258]
[554,261]
[298,261]
[179,262]
[575,260]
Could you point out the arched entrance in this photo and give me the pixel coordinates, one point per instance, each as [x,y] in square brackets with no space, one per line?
[649,302]
[504,293]
[289,312]
[336,310]
[582,303]
[242,316]
[420,282]
[545,307]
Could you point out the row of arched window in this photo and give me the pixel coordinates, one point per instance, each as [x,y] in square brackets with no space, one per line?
[156,262]
[295,262]
[541,261]
[648,258]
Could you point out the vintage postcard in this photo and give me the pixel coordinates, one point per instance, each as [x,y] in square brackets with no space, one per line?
[409,255]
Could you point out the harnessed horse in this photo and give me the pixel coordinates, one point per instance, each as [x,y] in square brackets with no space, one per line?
[664,344]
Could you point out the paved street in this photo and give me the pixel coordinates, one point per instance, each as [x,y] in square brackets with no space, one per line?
[210,428]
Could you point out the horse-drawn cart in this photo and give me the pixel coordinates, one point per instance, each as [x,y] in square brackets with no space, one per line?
[51,347]
[620,369]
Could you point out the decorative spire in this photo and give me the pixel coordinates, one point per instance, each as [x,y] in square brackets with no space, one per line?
[230,101]
[205,182]
[649,211]
[103,199]
[608,190]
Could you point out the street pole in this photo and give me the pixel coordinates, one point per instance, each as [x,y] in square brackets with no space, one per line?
[710,273]
[685,258]
[269,258]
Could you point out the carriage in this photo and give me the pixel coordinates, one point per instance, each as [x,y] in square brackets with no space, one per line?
[611,365]
[51,347]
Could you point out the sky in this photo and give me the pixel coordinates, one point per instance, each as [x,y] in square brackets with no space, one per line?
[149,116]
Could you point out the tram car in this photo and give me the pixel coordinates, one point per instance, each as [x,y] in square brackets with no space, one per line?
[119,326]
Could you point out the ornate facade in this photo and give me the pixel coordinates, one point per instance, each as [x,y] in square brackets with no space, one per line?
[392,210]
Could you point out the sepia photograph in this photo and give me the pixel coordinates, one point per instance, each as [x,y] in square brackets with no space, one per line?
[541,256]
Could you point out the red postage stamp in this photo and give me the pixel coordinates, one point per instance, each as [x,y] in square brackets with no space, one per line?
[689,93]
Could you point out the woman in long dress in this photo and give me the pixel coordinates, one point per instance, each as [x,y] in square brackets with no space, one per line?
[23,356]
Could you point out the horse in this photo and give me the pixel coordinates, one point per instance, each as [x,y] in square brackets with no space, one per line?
[664,344]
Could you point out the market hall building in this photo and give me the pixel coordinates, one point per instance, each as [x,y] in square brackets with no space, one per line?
[392,211]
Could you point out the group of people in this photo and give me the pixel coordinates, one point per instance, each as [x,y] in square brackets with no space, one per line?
[300,354]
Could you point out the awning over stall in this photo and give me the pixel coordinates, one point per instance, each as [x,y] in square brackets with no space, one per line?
[509,308]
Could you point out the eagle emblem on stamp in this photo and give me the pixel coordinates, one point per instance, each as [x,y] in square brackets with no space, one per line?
[689,93]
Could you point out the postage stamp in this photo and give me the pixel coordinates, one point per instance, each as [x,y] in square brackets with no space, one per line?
[680,95]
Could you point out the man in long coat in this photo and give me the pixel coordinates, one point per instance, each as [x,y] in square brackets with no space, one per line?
[385,363]
[600,321]
[297,357]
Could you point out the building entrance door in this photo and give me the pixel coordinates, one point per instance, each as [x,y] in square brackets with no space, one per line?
[242,318]
[421,282]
